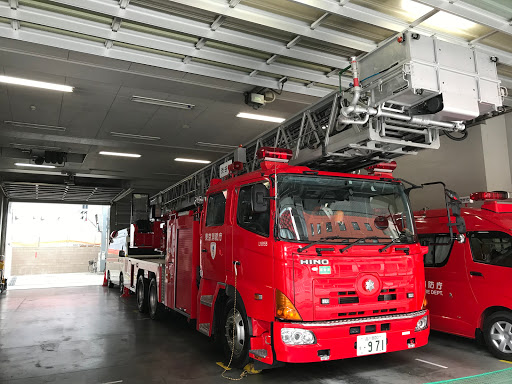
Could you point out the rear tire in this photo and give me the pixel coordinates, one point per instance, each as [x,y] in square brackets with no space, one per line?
[154,306]
[142,301]
[121,283]
[240,323]
[110,284]
[498,335]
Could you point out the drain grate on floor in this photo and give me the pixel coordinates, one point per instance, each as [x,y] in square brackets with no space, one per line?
[12,281]
[503,376]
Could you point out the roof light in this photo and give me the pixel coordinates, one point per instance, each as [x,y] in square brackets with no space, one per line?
[192,160]
[382,169]
[33,165]
[252,116]
[497,195]
[120,154]
[35,84]
[282,155]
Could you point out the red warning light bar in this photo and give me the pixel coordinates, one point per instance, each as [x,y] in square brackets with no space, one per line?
[275,154]
[382,169]
[497,195]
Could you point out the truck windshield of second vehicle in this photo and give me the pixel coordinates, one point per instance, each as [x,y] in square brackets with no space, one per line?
[321,208]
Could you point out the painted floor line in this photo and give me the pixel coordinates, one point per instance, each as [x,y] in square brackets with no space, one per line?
[428,362]
[113,382]
[505,361]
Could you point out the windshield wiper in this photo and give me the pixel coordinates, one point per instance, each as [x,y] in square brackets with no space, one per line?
[363,240]
[393,242]
[323,239]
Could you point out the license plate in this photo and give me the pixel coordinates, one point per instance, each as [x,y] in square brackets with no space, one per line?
[371,344]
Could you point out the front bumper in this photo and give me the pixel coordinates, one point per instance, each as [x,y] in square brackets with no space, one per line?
[335,342]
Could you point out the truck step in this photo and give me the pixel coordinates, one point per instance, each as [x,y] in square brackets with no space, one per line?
[204,328]
[259,352]
[207,300]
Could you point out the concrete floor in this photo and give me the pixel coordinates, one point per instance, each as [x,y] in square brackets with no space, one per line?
[90,335]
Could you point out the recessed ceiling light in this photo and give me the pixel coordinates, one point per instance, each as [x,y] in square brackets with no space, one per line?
[22,124]
[120,154]
[260,117]
[33,165]
[36,84]
[162,103]
[192,160]
[132,136]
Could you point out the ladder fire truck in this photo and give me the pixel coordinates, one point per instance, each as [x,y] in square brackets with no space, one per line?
[282,258]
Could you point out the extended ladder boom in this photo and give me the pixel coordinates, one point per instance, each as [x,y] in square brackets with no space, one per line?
[403,94]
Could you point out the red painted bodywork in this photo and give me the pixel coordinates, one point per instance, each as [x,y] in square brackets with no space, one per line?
[459,305]
[195,268]
[153,239]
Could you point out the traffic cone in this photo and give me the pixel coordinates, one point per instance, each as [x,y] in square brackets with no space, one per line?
[105,278]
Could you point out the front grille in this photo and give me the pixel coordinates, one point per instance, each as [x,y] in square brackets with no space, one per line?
[348,300]
[387,297]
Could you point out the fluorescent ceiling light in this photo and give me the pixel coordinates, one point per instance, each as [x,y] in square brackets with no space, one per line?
[22,124]
[441,20]
[36,84]
[192,160]
[162,103]
[132,136]
[215,145]
[33,165]
[120,154]
[260,117]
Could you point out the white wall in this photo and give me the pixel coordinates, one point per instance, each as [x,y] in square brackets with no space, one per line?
[482,162]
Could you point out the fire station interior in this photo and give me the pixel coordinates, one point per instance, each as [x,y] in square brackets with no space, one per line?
[116,117]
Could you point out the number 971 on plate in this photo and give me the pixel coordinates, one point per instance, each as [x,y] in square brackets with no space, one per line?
[371,344]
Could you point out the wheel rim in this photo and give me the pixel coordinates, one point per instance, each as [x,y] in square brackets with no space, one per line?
[140,294]
[235,323]
[121,283]
[501,336]
[152,298]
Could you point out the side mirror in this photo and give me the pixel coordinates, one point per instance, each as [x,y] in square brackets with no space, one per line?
[453,203]
[259,198]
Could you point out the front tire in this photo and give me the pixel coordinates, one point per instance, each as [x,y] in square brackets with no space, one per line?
[110,284]
[142,302]
[498,335]
[235,319]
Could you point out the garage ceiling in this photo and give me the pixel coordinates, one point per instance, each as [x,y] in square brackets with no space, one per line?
[202,52]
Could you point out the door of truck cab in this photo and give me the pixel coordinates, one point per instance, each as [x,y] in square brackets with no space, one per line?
[448,291]
[252,247]
[489,264]
[216,235]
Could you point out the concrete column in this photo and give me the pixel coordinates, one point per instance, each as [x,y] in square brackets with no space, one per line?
[496,154]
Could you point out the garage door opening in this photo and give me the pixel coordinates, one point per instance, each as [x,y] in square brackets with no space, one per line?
[55,245]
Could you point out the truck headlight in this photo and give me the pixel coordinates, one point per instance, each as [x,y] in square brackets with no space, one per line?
[297,336]
[422,324]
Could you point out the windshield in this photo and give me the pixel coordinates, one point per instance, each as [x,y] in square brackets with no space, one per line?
[316,208]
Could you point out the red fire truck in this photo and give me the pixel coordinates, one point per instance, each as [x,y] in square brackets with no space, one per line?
[467,281]
[287,264]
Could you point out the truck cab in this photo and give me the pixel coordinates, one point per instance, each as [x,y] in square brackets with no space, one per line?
[323,265]
[466,282]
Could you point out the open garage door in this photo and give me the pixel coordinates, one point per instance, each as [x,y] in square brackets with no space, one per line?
[51,245]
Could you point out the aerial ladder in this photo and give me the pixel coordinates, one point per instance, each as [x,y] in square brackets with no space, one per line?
[403,95]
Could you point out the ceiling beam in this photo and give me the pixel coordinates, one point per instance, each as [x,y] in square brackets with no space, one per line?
[142,57]
[141,39]
[379,19]
[282,23]
[182,25]
[470,12]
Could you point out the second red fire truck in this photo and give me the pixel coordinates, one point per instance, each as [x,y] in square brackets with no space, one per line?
[467,282]
[287,264]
